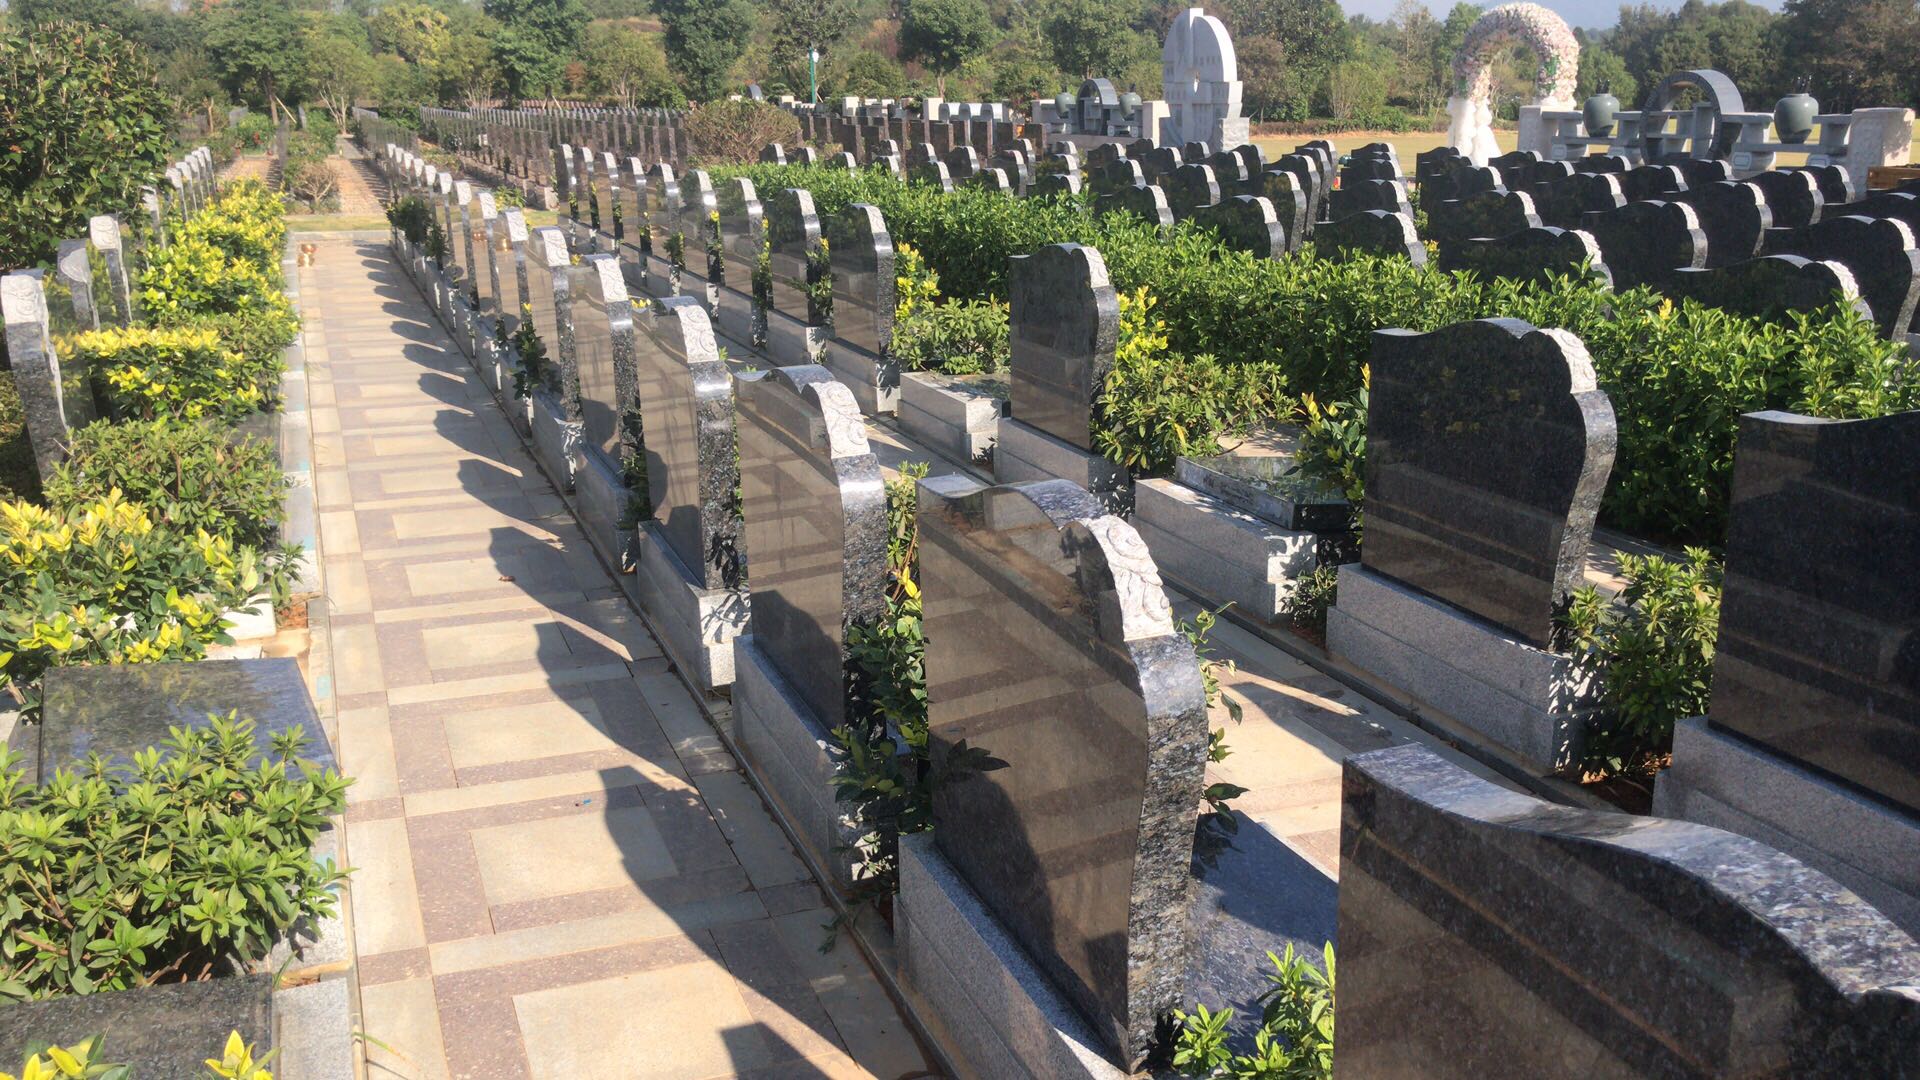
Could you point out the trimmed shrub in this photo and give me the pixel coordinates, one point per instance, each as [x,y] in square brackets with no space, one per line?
[965,337]
[179,372]
[187,475]
[733,132]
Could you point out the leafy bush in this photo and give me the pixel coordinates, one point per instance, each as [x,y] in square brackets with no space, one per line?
[190,277]
[101,583]
[86,125]
[1333,445]
[83,1060]
[198,855]
[733,132]
[187,476]
[1652,654]
[1295,1038]
[186,373]
[964,337]
[253,133]
[247,223]
[411,216]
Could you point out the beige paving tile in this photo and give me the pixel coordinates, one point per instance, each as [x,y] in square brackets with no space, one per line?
[581,935]
[694,1024]
[386,907]
[502,684]
[404,1020]
[366,754]
[874,1033]
[757,842]
[452,521]
[332,488]
[579,853]
[339,535]
[450,647]
[523,732]
[494,608]
[346,580]
[356,661]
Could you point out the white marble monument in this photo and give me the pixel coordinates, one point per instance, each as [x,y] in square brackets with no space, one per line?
[1201,83]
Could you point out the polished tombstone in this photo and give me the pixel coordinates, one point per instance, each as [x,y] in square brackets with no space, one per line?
[1489,213]
[1305,169]
[700,268]
[1115,176]
[553,405]
[1769,287]
[1488,447]
[1793,198]
[603,359]
[933,173]
[1055,184]
[1189,188]
[816,510]
[460,217]
[1363,195]
[510,255]
[773,154]
[660,199]
[860,351]
[1289,200]
[1481,938]
[56,401]
[486,274]
[742,232]
[1537,255]
[610,201]
[1148,202]
[74,264]
[1245,223]
[796,320]
[110,244]
[1051,648]
[1734,217]
[1374,232]
[1880,254]
[545,253]
[1644,243]
[1566,201]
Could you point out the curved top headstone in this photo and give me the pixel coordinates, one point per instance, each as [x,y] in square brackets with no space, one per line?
[1201,82]
[1065,322]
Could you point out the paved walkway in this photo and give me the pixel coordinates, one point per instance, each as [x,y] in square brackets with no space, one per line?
[560,871]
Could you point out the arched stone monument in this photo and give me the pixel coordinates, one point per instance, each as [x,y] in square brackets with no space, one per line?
[1202,84]
[1471,106]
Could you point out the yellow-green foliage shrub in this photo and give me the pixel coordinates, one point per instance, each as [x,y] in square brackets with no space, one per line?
[182,372]
[101,583]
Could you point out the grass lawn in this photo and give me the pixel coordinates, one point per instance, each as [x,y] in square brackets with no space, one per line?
[1405,145]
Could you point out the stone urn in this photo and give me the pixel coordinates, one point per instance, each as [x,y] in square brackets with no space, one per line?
[1793,117]
[1066,106]
[1598,113]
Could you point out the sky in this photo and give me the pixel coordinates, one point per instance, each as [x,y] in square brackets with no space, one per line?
[1592,14]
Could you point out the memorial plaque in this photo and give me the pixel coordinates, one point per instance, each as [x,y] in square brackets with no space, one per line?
[1051,648]
[603,355]
[793,239]
[1374,232]
[863,280]
[1644,243]
[816,511]
[686,404]
[1488,448]
[1480,935]
[1820,616]
[1064,323]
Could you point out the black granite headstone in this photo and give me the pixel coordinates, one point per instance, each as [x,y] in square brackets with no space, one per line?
[1536,255]
[1769,287]
[1374,232]
[1189,188]
[1793,197]
[1063,327]
[1289,199]
[603,357]
[1359,196]
[1568,200]
[1734,217]
[1818,657]
[1145,201]
[862,257]
[795,255]
[1487,214]
[1051,647]
[1880,254]
[686,405]
[1644,243]
[1488,448]
[1481,938]
[1245,223]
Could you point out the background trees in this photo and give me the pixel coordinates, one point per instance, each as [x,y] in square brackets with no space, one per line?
[944,34]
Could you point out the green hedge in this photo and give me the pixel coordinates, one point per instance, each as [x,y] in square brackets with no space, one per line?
[1679,375]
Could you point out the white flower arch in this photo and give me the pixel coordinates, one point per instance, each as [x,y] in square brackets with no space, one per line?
[1471,105]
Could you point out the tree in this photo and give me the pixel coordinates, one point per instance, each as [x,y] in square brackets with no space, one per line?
[535,40]
[799,26]
[338,72]
[944,34]
[87,124]
[732,132]
[1601,67]
[704,38]
[1091,38]
[468,76]
[255,45]
[1854,53]
[416,32]
[1020,75]
[626,67]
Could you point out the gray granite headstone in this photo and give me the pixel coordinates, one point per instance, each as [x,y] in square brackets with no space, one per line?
[609,198]
[1189,188]
[1488,448]
[510,238]
[1481,938]
[862,260]
[1644,243]
[700,266]
[73,262]
[661,198]
[1537,255]
[1486,214]
[1734,217]
[686,407]
[793,242]
[816,511]
[484,214]
[1147,202]
[1374,232]
[1818,658]
[742,232]
[56,401]
[547,264]
[110,242]
[604,356]
[1051,647]
[1769,287]
[1064,325]
[1246,223]
[773,154]
[1880,254]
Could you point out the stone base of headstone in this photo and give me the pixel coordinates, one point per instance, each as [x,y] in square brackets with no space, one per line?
[733,315]
[1230,133]
[601,498]
[605,244]
[960,421]
[1002,1016]
[790,752]
[790,341]
[864,376]
[661,279]
[1219,552]
[696,625]
[1024,452]
[701,288]
[554,439]
[1528,701]
[1720,779]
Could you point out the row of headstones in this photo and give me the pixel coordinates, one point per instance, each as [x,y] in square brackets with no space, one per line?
[95,274]
[521,142]
[1782,240]
[1033,591]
